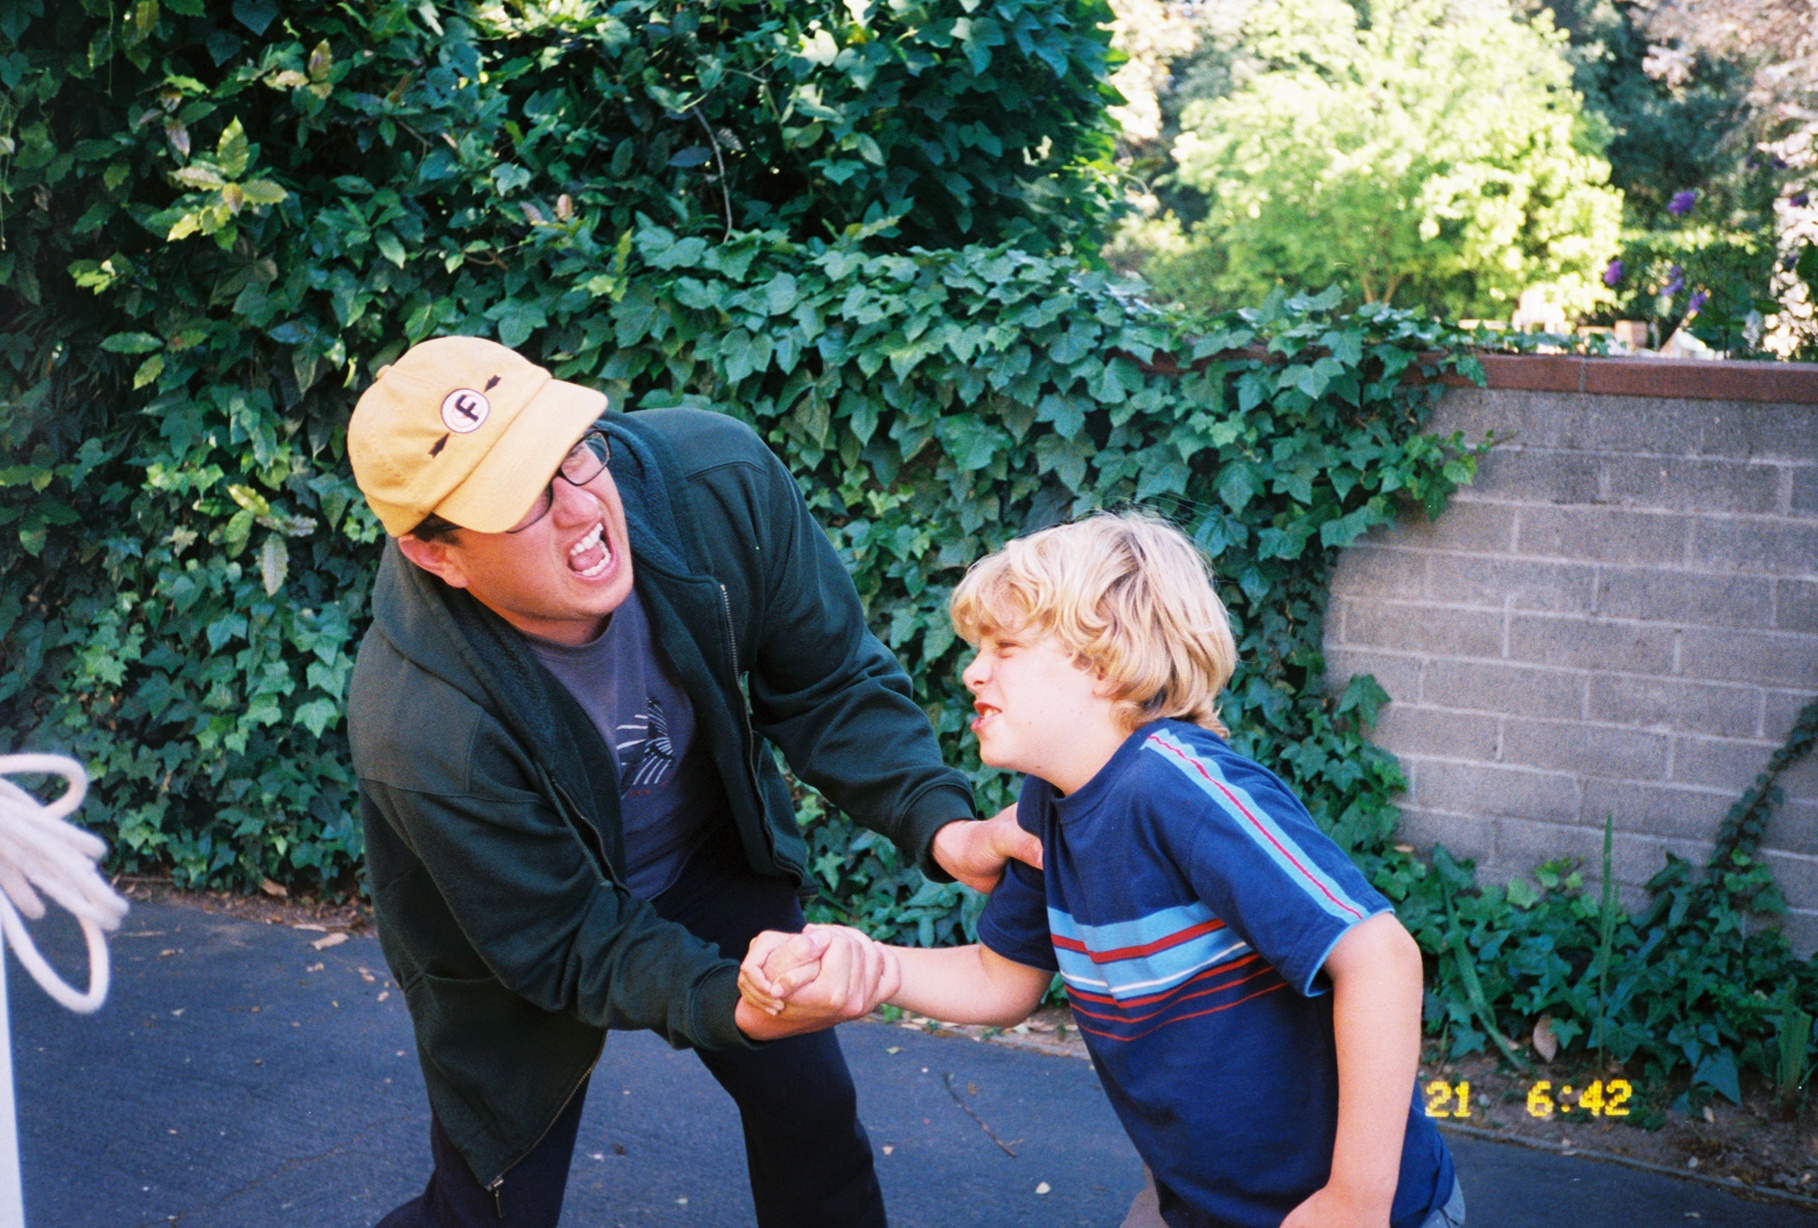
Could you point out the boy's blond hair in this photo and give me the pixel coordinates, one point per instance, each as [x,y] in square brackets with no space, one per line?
[1128,595]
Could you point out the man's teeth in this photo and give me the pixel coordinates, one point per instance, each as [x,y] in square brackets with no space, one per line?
[594,540]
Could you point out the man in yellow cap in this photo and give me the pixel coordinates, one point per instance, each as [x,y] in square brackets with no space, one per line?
[589,630]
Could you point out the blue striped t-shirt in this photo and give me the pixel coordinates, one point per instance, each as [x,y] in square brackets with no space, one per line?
[1189,902]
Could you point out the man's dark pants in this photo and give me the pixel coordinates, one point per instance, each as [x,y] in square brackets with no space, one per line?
[809,1158]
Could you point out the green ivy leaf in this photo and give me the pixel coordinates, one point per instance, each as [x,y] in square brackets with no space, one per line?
[1718,1070]
[274,563]
[249,499]
[517,320]
[263,192]
[1364,696]
[318,716]
[1236,486]
[233,152]
[256,15]
[390,247]
[781,294]
[1522,893]
[131,343]
[969,442]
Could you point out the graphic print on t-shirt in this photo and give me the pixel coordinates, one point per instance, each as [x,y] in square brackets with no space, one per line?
[669,793]
[646,755]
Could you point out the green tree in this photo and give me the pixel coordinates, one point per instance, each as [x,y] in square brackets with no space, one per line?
[1774,41]
[1711,102]
[1421,152]
[1674,128]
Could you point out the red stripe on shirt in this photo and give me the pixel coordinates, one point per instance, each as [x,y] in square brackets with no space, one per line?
[1213,1010]
[1147,948]
[1176,999]
[1110,1000]
[1263,831]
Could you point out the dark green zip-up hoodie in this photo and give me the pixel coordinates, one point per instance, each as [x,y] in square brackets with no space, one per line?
[491,806]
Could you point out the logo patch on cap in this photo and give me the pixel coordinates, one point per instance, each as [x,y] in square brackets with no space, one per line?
[464,410]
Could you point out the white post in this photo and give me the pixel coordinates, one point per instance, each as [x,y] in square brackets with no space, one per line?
[12,1196]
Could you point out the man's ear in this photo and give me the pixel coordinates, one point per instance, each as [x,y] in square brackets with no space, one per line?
[435,557]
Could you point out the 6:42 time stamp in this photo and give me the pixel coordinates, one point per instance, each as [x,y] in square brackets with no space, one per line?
[1595,1099]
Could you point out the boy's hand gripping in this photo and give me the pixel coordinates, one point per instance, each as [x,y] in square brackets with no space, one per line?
[975,852]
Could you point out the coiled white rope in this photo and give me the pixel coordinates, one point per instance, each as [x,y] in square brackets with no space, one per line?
[39,851]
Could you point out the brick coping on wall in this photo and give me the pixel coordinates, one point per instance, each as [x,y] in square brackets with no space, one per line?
[1678,378]
[1794,383]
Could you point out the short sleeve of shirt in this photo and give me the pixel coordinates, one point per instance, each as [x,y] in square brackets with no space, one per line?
[1015,921]
[1263,865]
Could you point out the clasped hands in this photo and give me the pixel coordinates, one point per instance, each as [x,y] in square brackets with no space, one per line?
[827,974]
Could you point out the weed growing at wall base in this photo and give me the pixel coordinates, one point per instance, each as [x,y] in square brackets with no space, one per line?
[1692,993]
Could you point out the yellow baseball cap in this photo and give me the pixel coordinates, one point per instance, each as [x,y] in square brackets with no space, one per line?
[464,428]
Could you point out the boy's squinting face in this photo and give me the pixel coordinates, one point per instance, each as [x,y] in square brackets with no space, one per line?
[1038,711]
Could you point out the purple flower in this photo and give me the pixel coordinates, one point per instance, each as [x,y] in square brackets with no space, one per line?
[1789,260]
[1779,163]
[1799,201]
[1692,307]
[1675,281]
[1612,276]
[1682,202]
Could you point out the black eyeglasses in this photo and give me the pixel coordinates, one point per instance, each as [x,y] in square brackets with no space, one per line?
[584,462]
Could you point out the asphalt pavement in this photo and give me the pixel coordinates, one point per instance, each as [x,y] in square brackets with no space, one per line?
[241,1077]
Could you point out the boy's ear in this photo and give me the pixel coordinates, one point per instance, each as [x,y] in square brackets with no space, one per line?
[438,558]
[1102,686]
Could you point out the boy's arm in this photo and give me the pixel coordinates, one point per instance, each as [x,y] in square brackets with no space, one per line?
[1376,994]
[972,984]
[954,984]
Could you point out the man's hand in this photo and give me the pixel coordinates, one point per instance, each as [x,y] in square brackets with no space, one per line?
[975,852]
[850,975]
[777,964]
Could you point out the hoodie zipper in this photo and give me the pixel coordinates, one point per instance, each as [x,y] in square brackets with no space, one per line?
[732,648]
[732,642]
[750,748]
[497,1186]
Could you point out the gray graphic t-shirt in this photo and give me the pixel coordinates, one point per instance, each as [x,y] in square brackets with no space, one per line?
[667,786]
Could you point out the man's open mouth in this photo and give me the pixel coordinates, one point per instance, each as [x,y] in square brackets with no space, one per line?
[590,556]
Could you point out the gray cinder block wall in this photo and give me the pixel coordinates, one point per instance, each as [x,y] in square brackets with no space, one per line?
[1620,617]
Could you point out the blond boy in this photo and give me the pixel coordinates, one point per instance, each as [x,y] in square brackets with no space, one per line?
[1251,1003]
